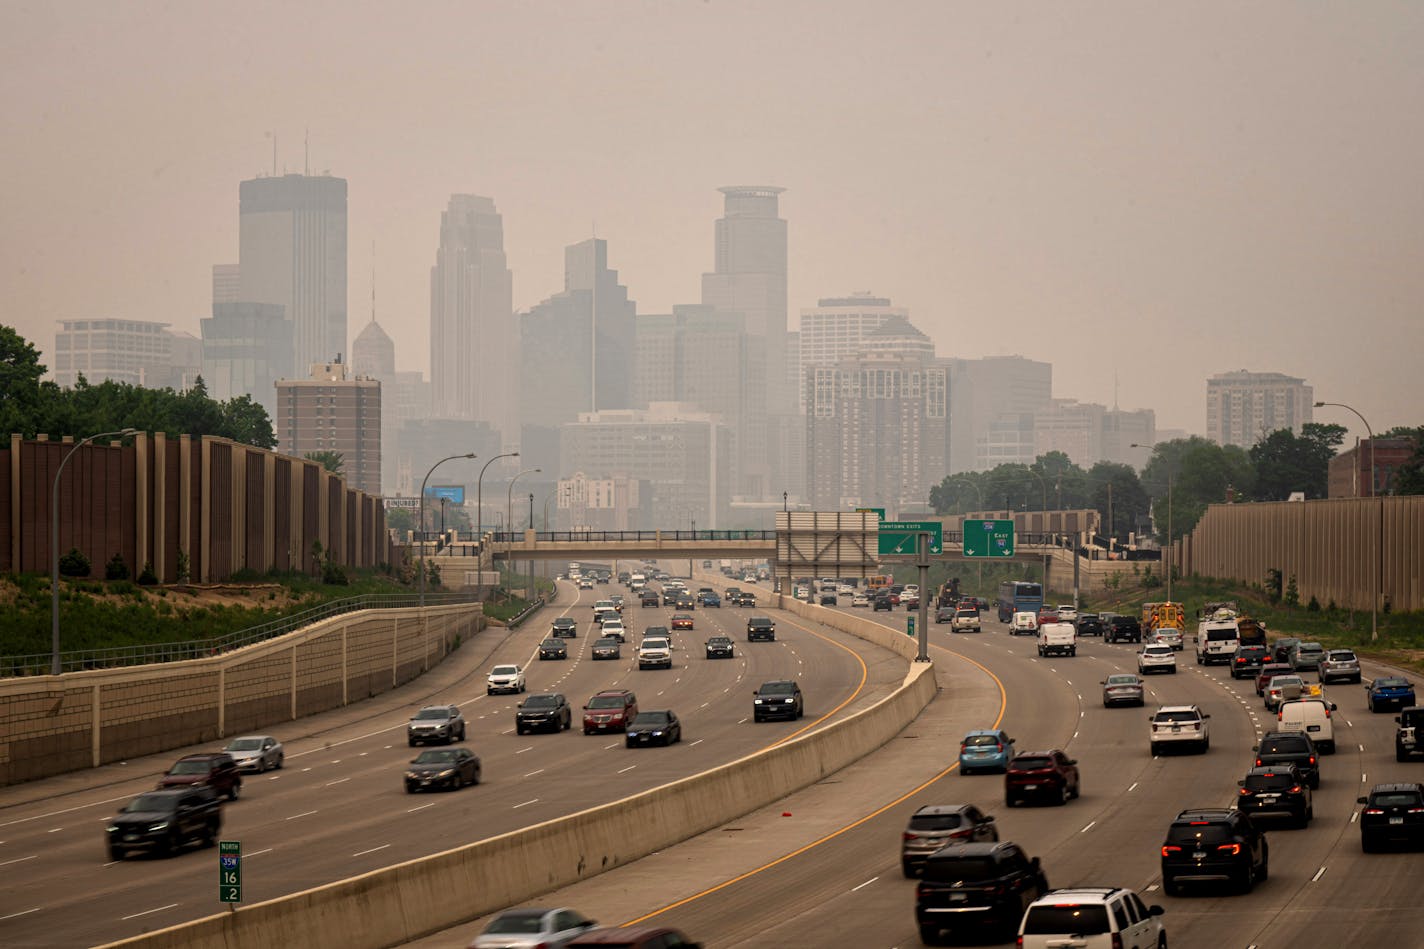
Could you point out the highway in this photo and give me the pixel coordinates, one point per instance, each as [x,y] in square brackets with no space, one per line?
[338,808]
[821,869]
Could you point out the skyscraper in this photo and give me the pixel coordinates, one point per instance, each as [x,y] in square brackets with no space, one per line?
[138,352]
[247,347]
[1242,406]
[994,400]
[834,328]
[292,252]
[334,410]
[473,342]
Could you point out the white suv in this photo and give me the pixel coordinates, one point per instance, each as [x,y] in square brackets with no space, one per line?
[1157,657]
[1178,725]
[655,653]
[1092,916]
[505,679]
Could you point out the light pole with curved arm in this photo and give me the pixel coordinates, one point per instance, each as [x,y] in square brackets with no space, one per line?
[54,542]
[480,493]
[509,499]
[423,483]
[1379,552]
[979,494]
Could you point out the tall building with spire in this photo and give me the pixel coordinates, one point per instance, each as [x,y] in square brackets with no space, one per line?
[473,340]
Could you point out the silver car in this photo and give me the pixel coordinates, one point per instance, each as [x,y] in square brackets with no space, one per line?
[1340,664]
[1124,688]
[533,926]
[256,752]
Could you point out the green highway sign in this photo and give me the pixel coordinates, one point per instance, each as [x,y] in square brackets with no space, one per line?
[988,538]
[898,537]
[230,871]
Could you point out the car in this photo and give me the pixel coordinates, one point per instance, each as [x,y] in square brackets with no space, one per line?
[1046,615]
[1409,733]
[1269,670]
[1307,656]
[1124,629]
[681,621]
[1067,614]
[802,593]
[609,711]
[670,596]
[1394,813]
[1294,748]
[613,626]
[635,937]
[1166,636]
[564,628]
[553,649]
[1389,692]
[1092,917]
[1282,648]
[1089,624]
[1023,623]
[685,603]
[655,653]
[944,614]
[745,598]
[711,600]
[827,599]
[607,647]
[720,647]
[1283,688]
[256,752]
[442,723]
[1214,845]
[845,589]
[976,886]
[450,768]
[648,598]
[1057,639]
[1247,661]
[1156,657]
[585,583]
[533,927]
[985,749]
[1179,726]
[164,821]
[1339,664]
[779,698]
[1276,790]
[860,599]
[1124,688]
[761,629]
[942,825]
[657,632]
[216,770]
[505,678]
[617,599]
[653,728]
[543,710]
[966,620]
[910,601]
[602,608]
[1041,774]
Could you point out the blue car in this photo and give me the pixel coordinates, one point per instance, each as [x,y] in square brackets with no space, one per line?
[1389,692]
[985,750]
[711,599]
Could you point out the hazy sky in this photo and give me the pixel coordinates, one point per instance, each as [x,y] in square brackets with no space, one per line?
[1149,191]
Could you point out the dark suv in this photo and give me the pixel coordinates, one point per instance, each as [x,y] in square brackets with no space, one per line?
[1089,624]
[543,710]
[1123,629]
[1393,812]
[1247,661]
[216,770]
[1212,845]
[943,825]
[1276,791]
[780,698]
[1047,774]
[565,627]
[761,628]
[164,820]
[976,885]
[1282,748]
[609,711]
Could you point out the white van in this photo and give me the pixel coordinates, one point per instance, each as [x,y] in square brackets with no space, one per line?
[1311,716]
[1057,639]
[1217,641]
[1025,623]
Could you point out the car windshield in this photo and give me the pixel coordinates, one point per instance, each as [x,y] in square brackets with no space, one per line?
[1266,782]
[428,714]
[245,744]
[435,757]
[606,641]
[526,924]
[541,701]
[1122,680]
[1198,833]
[1392,683]
[1394,799]
[505,670]
[778,688]
[967,869]
[1278,682]
[979,741]
[1221,635]
[655,644]
[1284,745]
[1060,918]
[1342,655]
[650,719]
[1031,764]
[552,644]
[606,701]
[1158,651]
[1309,647]
[1178,716]
[1412,718]
[190,767]
[934,822]
[1251,650]
[150,802]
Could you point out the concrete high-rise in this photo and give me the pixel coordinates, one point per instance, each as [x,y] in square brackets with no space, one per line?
[247,347]
[835,328]
[1243,407]
[473,340]
[334,410]
[227,283]
[138,352]
[292,253]
[994,401]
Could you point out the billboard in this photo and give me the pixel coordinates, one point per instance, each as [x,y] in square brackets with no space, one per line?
[454,493]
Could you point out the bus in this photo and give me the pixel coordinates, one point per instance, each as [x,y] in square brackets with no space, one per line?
[1019,596]
[878,581]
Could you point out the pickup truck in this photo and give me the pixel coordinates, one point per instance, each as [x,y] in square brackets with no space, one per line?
[1057,639]
[966,620]
[654,654]
[976,886]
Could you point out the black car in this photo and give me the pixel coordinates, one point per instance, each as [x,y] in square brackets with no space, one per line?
[653,728]
[684,603]
[657,632]
[976,886]
[780,698]
[1212,845]
[1276,791]
[607,647]
[450,768]
[564,628]
[1296,748]
[165,820]
[546,710]
[553,649]
[1123,629]
[761,628]
[1393,813]
[826,598]
[720,647]
[882,602]
[1247,661]
[1089,624]
[648,598]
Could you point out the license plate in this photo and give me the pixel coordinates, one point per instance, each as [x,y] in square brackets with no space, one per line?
[1030,787]
[1199,855]
[957,897]
[1176,729]
[1312,728]
[1396,820]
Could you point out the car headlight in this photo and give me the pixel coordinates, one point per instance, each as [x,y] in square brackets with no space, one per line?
[447,773]
[157,827]
[657,733]
[757,702]
[790,701]
[412,774]
[113,828]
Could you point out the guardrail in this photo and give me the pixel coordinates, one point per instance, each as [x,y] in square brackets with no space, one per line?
[579,537]
[147,653]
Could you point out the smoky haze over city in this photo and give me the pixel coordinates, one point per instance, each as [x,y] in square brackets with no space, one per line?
[752,203]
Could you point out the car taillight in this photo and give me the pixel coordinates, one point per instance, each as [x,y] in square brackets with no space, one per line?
[1244,791]
[1232,849]
[1117,941]
[1258,762]
[1295,790]
[1169,849]
[1312,759]
[909,836]
[1416,810]
[1374,810]
[963,748]
[961,835]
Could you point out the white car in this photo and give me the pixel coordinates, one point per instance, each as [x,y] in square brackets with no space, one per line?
[845,589]
[1067,614]
[1157,657]
[911,589]
[1091,917]
[1167,636]
[613,626]
[1179,725]
[505,678]
[860,599]
[655,653]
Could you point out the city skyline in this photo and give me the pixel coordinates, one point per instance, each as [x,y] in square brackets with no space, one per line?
[1177,196]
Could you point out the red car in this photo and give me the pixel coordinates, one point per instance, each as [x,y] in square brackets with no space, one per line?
[1048,774]
[681,621]
[1269,670]
[1047,616]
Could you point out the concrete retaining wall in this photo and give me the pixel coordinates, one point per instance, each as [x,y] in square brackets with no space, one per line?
[404,902]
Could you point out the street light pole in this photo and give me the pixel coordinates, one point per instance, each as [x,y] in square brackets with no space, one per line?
[421,522]
[480,496]
[1379,551]
[54,542]
[509,506]
[1170,562]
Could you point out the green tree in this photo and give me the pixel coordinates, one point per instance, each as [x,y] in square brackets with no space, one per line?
[1129,497]
[1286,462]
[332,461]
[1201,473]
[20,386]
[1409,477]
[246,421]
